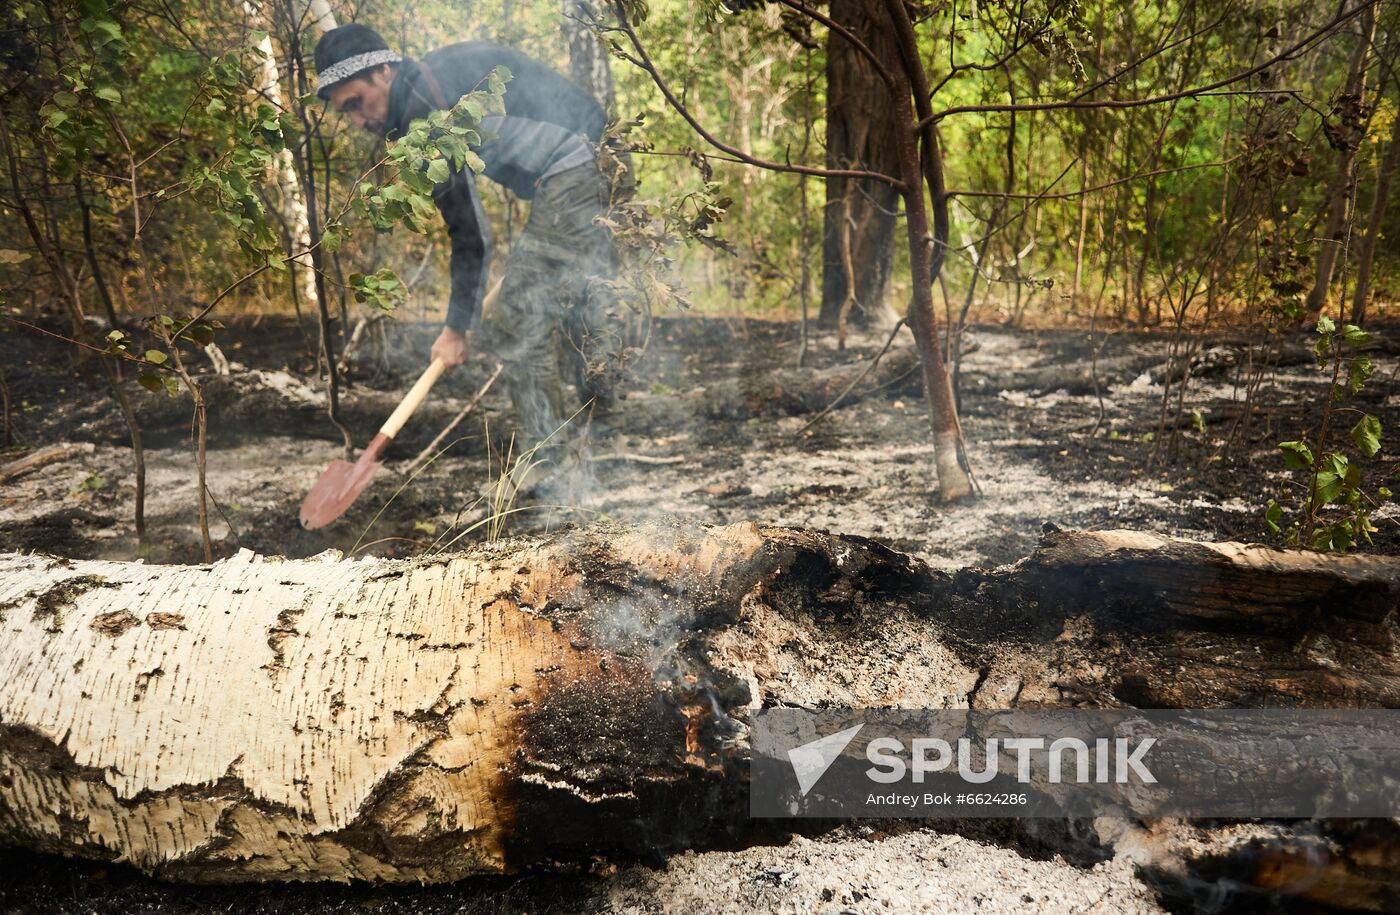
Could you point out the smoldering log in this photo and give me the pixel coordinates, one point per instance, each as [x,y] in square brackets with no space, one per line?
[261,719]
[587,694]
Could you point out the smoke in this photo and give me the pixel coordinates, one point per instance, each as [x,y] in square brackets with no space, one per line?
[662,625]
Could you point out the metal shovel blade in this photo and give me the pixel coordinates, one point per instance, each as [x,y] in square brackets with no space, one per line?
[339,486]
[342,482]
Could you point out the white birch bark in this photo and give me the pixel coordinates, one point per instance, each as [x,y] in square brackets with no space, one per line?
[268,720]
[321,13]
[288,184]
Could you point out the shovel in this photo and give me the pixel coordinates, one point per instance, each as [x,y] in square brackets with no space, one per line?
[342,482]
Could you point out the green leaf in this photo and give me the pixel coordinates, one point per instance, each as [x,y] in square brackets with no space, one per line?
[1337,463]
[453,149]
[1367,435]
[1325,325]
[1354,335]
[496,80]
[216,106]
[156,357]
[1273,517]
[1359,370]
[172,385]
[1351,482]
[439,171]
[150,383]
[1339,536]
[107,94]
[1321,348]
[330,241]
[104,31]
[1297,455]
[1329,487]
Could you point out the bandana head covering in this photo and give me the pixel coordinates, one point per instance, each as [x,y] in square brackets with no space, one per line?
[346,52]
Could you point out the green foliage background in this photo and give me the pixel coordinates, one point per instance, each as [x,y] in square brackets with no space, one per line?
[151,107]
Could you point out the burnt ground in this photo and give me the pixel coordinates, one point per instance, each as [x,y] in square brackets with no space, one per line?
[1041,455]
[866,469]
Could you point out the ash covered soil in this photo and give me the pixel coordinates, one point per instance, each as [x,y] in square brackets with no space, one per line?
[1069,457]
[675,447]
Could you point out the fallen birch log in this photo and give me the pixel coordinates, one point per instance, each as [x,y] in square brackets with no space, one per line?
[42,458]
[587,694]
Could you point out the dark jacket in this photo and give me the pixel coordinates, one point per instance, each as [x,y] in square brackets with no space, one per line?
[549,126]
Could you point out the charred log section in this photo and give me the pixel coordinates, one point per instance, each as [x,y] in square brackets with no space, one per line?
[1136,619]
[587,695]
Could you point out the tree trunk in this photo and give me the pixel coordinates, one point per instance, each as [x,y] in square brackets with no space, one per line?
[855,140]
[588,60]
[588,694]
[321,14]
[1366,257]
[294,211]
[1346,137]
[921,166]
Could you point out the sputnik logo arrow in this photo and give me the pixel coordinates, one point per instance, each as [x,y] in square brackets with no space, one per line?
[811,760]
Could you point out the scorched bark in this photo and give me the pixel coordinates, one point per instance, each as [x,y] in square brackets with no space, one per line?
[588,694]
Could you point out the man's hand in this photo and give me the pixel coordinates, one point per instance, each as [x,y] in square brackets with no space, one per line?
[450,347]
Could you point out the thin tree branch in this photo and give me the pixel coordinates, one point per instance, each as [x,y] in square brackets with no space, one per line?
[1208,89]
[1064,195]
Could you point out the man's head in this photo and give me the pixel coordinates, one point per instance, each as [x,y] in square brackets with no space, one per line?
[356,69]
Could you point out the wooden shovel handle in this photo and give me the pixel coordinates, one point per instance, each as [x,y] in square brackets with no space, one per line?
[413,398]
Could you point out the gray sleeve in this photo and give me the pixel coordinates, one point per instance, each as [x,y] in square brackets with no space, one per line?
[470,232]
